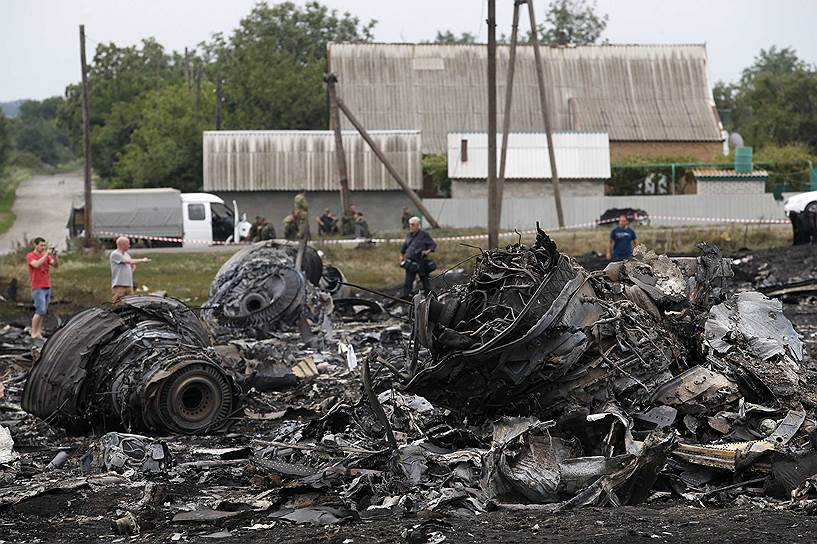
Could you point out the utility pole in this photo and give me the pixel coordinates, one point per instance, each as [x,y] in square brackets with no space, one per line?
[218,102]
[494,207]
[380,155]
[340,154]
[540,77]
[506,118]
[187,67]
[198,90]
[86,138]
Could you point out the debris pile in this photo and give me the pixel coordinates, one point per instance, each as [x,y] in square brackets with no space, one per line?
[533,385]
[143,364]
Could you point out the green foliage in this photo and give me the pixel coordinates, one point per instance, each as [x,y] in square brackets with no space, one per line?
[628,174]
[5,141]
[788,166]
[448,37]
[34,131]
[146,117]
[573,22]
[165,148]
[775,101]
[436,166]
[273,64]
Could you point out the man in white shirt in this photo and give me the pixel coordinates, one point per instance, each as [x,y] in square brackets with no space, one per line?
[122,267]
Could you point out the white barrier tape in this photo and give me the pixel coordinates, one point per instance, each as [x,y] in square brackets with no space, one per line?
[470,236]
[164,238]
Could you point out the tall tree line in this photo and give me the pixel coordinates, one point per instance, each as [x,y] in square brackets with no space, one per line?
[149,106]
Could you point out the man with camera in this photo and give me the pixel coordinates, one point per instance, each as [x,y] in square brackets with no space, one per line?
[39,262]
[414,257]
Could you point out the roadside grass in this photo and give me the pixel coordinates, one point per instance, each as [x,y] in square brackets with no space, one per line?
[377,266]
[83,278]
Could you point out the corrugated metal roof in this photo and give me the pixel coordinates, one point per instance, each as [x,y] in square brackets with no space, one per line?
[632,92]
[288,160]
[717,173]
[578,155]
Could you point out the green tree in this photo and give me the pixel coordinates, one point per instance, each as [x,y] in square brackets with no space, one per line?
[572,22]
[116,75]
[449,37]
[273,64]
[776,101]
[165,148]
[5,141]
[772,61]
[35,131]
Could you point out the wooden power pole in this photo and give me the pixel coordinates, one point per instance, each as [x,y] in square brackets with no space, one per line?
[506,118]
[340,154]
[218,102]
[380,155]
[86,139]
[540,78]
[494,207]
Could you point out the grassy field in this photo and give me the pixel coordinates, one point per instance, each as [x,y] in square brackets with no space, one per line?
[84,277]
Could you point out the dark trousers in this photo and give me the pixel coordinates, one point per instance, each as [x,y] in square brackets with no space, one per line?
[408,285]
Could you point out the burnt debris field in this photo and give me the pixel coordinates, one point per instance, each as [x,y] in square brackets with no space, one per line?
[533,399]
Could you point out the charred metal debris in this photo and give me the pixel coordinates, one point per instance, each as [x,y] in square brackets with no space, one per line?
[144,364]
[259,290]
[535,384]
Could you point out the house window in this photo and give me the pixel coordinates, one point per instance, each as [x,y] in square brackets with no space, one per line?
[195,212]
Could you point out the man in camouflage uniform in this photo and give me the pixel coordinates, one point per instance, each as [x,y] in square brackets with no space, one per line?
[347,221]
[301,213]
[290,227]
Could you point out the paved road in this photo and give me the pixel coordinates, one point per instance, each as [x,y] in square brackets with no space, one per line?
[42,207]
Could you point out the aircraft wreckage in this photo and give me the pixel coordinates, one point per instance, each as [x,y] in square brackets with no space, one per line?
[144,364]
[597,389]
[535,384]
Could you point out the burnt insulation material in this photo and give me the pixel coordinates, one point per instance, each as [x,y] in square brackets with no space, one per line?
[144,364]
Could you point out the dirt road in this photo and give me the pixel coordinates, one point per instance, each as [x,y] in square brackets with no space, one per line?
[42,207]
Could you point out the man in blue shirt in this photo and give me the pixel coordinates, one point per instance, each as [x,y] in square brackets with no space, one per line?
[414,256]
[622,241]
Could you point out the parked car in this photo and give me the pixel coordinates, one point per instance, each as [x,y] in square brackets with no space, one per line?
[635,216]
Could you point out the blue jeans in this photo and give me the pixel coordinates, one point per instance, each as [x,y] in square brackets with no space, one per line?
[41,297]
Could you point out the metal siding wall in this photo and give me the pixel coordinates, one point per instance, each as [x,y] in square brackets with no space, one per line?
[291,160]
[653,93]
[523,213]
[578,155]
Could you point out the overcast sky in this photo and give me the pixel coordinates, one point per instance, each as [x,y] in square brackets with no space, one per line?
[39,38]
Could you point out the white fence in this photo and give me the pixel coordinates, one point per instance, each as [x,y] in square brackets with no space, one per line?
[684,209]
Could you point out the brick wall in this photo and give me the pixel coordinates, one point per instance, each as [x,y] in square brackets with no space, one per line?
[700,151]
[731,186]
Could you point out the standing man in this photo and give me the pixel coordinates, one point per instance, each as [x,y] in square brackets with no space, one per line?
[301,213]
[122,267]
[622,241]
[39,262]
[414,256]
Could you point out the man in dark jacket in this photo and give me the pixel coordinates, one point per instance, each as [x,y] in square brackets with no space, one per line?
[414,256]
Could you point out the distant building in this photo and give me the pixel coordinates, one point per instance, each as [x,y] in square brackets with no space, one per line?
[714,180]
[263,170]
[582,162]
[651,99]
